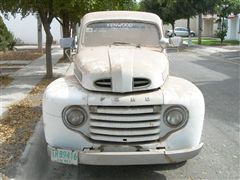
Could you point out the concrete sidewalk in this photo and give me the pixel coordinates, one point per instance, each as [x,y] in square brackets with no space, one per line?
[26,78]
[213,49]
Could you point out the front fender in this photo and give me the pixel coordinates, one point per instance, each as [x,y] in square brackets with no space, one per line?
[182,92]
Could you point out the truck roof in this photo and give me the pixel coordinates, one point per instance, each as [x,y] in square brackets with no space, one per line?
[124,15]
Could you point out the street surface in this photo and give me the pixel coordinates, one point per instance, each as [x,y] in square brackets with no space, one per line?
[217,75]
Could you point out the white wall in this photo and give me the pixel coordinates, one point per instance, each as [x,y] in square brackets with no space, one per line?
[26,29]
[234,28]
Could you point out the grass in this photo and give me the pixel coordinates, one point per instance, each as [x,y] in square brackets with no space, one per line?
[215,42]
[18,125]
[5,80]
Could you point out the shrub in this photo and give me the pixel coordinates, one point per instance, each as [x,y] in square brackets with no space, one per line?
[7,40]
[221,33]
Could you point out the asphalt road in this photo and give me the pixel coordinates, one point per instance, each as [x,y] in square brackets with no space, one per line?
[217,75]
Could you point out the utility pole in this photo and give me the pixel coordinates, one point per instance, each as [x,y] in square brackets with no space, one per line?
[39,29]
[200,28]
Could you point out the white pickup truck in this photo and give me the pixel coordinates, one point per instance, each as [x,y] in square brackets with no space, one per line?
[121,106]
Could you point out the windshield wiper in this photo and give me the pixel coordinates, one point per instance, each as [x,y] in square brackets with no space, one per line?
[126,43]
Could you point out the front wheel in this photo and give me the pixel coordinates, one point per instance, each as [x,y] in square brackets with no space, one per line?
[192,34]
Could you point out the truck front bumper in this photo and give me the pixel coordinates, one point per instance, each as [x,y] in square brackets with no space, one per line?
[162,156]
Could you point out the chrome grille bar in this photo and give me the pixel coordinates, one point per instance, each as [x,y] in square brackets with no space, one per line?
[124,124]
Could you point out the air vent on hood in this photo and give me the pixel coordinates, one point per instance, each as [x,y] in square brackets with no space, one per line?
[104,83]
[140,82]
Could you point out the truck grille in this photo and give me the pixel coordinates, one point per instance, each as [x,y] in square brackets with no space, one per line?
[124,124]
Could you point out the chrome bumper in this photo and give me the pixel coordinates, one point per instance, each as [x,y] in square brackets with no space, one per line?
[162,156]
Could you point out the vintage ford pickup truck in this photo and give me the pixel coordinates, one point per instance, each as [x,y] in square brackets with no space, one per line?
[121,106]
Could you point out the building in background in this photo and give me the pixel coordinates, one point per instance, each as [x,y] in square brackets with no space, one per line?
[26,29]
[233,27]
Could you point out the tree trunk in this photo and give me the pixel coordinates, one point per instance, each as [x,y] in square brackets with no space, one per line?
[66,30]
[173,28]
[222,29]
[189,32]
[39,29]
[200,29]
[46,21]
[49,41]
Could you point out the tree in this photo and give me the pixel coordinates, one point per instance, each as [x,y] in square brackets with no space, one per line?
[69,13]
[101,5]
[72,11]
[191,8]
[44,8]
[170,11]
[225,8]
[166,10]
[203,7]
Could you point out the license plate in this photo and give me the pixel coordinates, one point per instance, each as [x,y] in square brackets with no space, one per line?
[64,156]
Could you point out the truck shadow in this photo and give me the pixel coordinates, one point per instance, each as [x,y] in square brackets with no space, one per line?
[126,172]
[90,172]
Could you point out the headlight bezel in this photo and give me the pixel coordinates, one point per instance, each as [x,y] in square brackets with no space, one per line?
[183,110]
[70,109]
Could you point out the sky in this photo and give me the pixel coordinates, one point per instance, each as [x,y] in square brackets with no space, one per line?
[26,29]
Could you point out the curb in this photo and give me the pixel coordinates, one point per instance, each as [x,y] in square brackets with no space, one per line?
[35,145]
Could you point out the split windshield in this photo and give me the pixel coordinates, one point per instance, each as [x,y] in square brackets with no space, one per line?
[122,33]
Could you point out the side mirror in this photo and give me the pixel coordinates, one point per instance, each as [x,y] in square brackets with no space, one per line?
[69,45]
[176,41]
[164,42]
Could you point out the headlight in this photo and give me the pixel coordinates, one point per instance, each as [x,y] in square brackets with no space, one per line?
[74,116]
[175,116]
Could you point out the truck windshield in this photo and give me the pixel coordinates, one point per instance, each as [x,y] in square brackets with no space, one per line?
[125,33]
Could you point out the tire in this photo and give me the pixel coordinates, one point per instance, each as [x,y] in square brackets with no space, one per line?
[192,34]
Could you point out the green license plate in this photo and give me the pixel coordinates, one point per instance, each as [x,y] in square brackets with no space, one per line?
[64,156]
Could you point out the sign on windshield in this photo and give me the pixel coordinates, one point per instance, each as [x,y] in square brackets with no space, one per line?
[106,33]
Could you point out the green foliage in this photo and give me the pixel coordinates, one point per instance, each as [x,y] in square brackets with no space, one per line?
[7,40]
[223,9]
[167,10]
[226,7]
[68,13]
[221,33]
[103,5]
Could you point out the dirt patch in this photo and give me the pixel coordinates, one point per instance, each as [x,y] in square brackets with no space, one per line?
[63,60]
[20,55]
[18,126]
[5,80]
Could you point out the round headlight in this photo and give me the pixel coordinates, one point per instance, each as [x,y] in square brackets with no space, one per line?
[175,116]
[74,116]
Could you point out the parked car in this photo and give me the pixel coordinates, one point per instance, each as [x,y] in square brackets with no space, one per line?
[179,31]
[121,106]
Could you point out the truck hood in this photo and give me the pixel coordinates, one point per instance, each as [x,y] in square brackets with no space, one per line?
[121,68]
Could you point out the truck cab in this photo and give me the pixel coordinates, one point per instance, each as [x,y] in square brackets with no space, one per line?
[121,106]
